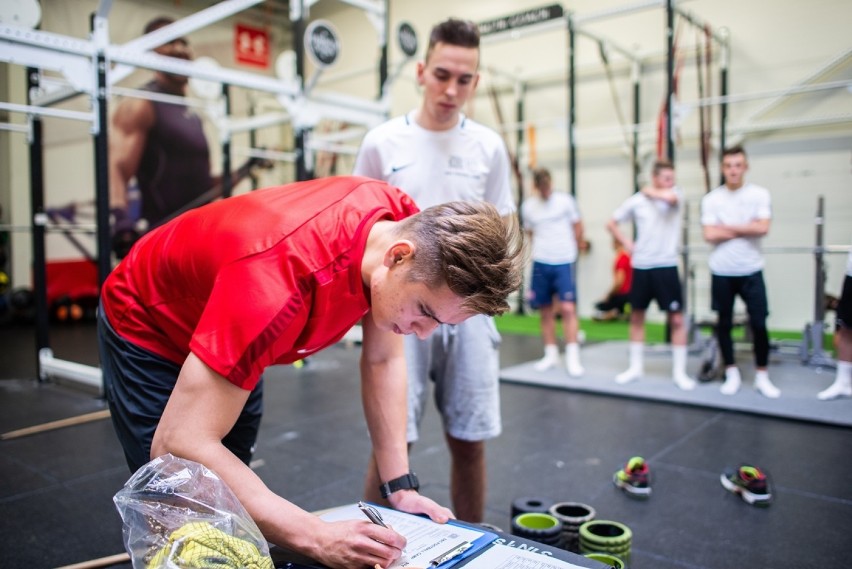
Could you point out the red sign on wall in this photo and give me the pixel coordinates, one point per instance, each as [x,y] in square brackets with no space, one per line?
[251,46]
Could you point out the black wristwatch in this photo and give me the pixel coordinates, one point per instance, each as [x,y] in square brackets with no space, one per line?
[405,482]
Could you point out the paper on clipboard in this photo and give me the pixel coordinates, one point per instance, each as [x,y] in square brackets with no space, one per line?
[427,540]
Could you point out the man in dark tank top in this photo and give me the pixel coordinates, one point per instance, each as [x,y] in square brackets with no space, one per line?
[162,145]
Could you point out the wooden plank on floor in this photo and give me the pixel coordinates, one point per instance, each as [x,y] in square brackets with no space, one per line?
[100,562]
[61,423]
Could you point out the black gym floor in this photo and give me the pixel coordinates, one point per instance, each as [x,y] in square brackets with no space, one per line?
[56,487]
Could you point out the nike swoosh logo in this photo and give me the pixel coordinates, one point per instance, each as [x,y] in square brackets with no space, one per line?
[395,169]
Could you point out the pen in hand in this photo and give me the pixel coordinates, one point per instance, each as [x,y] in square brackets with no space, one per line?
[373,514]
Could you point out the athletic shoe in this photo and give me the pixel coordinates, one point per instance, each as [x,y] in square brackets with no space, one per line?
[634,478]
[750,482]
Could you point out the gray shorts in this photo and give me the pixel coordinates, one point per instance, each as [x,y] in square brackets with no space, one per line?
[463,362]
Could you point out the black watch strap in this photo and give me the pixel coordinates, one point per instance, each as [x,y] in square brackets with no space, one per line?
[405,482]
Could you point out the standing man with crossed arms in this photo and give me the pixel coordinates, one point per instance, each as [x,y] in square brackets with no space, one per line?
[655,212]
[735,217]
[436,154]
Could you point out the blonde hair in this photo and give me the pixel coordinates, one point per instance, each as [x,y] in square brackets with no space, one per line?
[469,247]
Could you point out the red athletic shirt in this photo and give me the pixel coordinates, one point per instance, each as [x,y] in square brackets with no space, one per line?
[622,262]
[263,278]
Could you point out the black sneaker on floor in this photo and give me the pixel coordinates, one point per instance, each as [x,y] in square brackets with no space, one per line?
[634,478]
[750,482]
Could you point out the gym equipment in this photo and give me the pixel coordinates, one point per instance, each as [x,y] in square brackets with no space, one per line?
[539,527]
[604,536]
[530,504]
[572,515]
[91,67]
[610,560]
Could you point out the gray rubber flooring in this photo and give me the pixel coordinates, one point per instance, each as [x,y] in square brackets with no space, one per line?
[798,383]
[56,487]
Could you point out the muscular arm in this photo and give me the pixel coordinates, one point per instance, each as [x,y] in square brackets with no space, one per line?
[384,396]
[202,409]
[132,121]
[667,195]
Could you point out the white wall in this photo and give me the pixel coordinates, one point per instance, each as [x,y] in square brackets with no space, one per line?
[796,165]
[769,51]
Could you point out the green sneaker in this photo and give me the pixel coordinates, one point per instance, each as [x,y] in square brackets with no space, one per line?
[634,478]
[750,482]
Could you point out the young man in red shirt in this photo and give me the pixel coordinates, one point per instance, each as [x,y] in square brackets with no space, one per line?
[202,305]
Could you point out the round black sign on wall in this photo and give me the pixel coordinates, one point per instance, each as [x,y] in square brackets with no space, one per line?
[407,38]
[321,43]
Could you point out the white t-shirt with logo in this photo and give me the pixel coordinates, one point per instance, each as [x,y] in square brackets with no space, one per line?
[468,162]
[658,226]
[742,255]
[552,224]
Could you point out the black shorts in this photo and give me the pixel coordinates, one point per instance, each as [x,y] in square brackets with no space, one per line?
[137,386]
[661,284]
[844,306]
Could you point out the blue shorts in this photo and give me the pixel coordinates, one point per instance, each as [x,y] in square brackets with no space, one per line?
[549,281]
[463,363]
[137,386]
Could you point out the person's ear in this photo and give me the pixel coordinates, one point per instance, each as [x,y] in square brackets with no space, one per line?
[421,69]
[399,252]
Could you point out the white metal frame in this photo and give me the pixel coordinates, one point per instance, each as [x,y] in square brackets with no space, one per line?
[76,61]
[606,135]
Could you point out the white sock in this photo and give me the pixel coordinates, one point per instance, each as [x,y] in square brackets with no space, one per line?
[842,386]
[572,360]
[550,359]
[764,386]
[681,379]
[732,381]
[637,366]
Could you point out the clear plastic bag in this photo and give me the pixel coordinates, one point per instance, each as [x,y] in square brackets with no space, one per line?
[179,514]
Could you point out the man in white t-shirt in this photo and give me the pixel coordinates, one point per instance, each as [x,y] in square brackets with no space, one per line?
[655,212]
[552,220]
[842,386]
[735,217]
[436,154]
